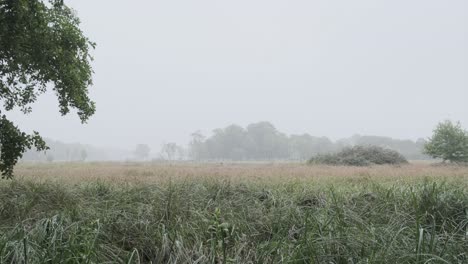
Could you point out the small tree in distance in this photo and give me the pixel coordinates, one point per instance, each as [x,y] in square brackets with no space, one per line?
[50,158]
[449,142]
[171,151]
[142,151]
[83,154]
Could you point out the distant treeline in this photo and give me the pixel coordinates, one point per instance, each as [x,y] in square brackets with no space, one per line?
[60,151]
[258,141]
[262,141]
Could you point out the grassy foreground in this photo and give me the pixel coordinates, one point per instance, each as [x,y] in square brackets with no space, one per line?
[80,213]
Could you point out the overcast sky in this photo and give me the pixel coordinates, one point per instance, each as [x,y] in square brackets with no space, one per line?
[164,69]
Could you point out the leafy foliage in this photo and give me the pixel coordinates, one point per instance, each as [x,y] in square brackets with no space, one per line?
[360,156]
[41,46]
[13,143]
[449,142]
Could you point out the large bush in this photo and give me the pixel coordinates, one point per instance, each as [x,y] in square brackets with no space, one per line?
[360,156]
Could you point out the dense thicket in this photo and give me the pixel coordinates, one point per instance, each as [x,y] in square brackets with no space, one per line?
[360,156]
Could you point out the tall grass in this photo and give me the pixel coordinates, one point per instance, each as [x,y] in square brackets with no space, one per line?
[220,220]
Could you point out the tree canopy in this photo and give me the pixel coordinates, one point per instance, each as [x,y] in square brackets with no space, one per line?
[142,151]
[449,142]
[41,47]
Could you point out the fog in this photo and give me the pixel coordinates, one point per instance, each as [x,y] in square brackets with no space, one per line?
[164,69]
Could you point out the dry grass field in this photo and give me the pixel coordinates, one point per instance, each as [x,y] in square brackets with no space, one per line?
[234,213]
[265,173]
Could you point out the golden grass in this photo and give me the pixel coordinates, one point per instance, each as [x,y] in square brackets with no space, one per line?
[147,173]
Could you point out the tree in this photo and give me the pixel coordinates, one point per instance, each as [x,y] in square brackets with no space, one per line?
[267,142]
[41,46]
[83,154]
[142,151]
[197,146]
[228,143]
[169,151]
[449,142]
[50,157]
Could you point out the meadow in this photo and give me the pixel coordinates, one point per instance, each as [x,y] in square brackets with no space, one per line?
[234,213]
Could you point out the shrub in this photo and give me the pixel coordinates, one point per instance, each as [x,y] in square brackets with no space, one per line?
[360,156]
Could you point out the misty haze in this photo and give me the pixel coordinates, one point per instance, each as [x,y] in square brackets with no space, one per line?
[233,131]
[164,70]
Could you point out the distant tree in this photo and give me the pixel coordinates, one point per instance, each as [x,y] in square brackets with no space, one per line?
[50,157]
[67,154]
[180,152]
[304,146]
[142,151]
[449,142]
[83,154]
[267,142]
[41,46]
[197,149]
[228,143]
[170,151]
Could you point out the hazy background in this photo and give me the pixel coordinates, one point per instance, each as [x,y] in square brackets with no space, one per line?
[164,69]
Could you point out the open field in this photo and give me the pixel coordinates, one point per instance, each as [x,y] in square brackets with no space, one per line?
[264,173]
[234,213]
